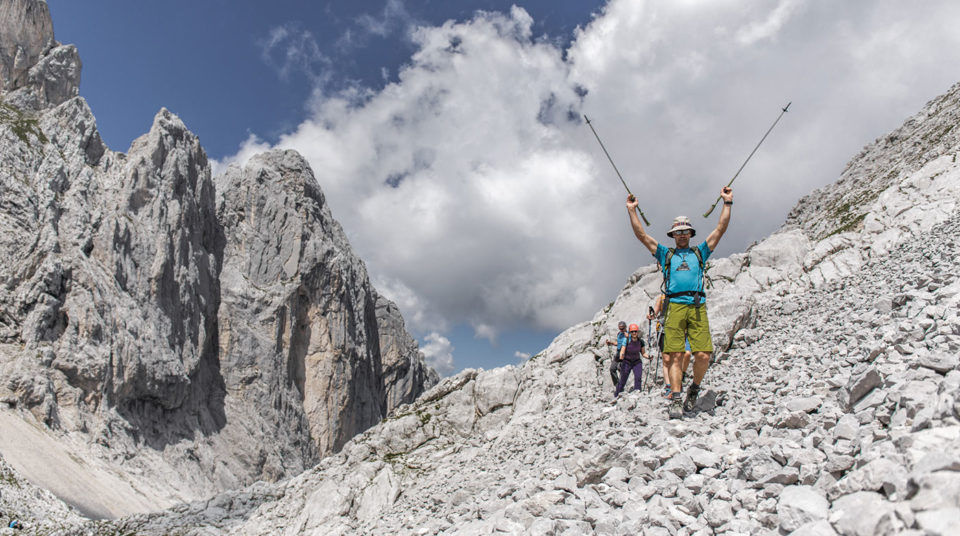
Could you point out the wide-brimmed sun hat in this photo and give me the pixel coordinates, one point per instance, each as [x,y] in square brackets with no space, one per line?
[681,223]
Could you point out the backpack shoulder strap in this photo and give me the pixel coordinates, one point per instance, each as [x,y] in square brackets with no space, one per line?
[666,270]
[696,251]
[666,261]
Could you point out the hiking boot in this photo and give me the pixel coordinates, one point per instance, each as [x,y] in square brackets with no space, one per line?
[675,411]
[691,401]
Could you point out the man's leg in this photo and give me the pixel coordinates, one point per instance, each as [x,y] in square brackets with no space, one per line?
[700,366]
[674,329]
[672,363]
[674,408]
[675,325]
[702,346]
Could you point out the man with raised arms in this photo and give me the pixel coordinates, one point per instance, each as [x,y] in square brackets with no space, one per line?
[686,314]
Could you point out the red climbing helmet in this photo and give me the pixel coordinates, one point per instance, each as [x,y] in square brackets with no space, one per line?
[634,327]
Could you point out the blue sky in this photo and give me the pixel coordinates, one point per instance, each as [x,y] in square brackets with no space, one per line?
[446,135]
[209,61]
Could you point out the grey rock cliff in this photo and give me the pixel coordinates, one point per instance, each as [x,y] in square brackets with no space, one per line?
[301,322]
[843,205]
[172,335]
[35,70]
[27,31]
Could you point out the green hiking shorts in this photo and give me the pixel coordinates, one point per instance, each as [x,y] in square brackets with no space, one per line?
[687,321]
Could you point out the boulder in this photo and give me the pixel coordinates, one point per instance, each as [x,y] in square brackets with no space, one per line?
[681,465]
[942,363]
[847,427]
[940,489]
[863,380]
[496,389]
[808,404]
[815,528]
[703,458]
[939,522]
[881,475]
[800,505]
[860,513]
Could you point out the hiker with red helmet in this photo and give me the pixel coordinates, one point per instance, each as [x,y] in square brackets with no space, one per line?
[686,315]
[630,360]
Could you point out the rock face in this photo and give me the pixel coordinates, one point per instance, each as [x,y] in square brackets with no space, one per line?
[850,203]
[35,70]
[833,406]
[27,32]
[298,313]
[185,334]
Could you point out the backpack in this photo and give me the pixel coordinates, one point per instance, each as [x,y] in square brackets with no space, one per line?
[698,294]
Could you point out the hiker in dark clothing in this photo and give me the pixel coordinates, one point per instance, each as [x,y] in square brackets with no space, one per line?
[615,362]
[630,360]
[686,315]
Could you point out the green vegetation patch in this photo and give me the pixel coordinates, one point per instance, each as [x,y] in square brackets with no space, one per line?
[24,127]
[849,215]
[848,226]
[424,417]
[391,457]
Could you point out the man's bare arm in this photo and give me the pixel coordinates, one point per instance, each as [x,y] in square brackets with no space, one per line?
[644,238]
[714,237]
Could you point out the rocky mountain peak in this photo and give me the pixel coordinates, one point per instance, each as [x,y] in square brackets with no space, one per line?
[166,335]
[296,295]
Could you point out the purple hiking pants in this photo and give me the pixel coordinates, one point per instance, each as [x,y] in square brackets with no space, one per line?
[625,367]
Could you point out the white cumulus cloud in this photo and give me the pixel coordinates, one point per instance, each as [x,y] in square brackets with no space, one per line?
[478,197]
[438,353]
[290,49]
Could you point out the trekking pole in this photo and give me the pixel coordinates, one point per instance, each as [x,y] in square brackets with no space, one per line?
[649,348]
[649,326]
[641,373]
[615,168]
[707,213]
[656,370]
[610,355]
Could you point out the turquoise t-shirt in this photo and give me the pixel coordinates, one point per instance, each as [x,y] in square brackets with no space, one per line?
[621,340]
[685,273]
